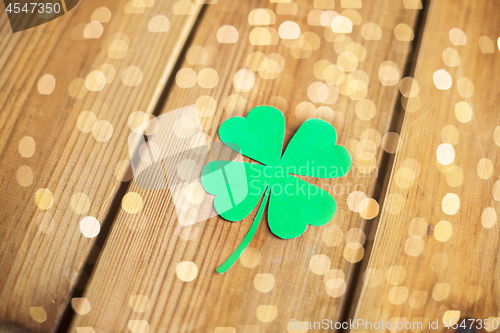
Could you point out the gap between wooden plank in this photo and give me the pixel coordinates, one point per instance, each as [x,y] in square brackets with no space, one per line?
[99,243]
[386,166]
[452,276]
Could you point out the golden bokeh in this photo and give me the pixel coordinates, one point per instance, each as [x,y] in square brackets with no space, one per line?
[443,231]
[77,89]
[118,46]
[261,16]
[354,252]
[93,30]
[418,227]
[463,112]
[413,4]
[371,209]
[38,314]
[335,288]
[134,7]
[187,233]
[442,79]
[264,282]
[353,15]
[186,271]
[351,4]
[289,30]
[371,31]
[80,305]
[102,131]
[227,34]
[44,198]
[450,317]
[109,72]
[390,142]
[439,261]
[226,329]
[186,78]
[26,146]
[496,190]
[354,201]
[159,23]
[485,168]
[89,227]
[414,246]
[457,37]
[101,14]
[489,218]
[451,57]
[454,176]
[138,303]
[95,81]
[286,8]
[404,33]
[205,105]
[138,326]
[319,264]
[389,73]
[486,45]
[24,176]
[235,104]
[131,76]
[418,299]
[332,235]
[266,313]
[79,203]
[445,154]
[208,78]
[409,87]
[395,275]
[450,204]
[450,134]
[398,295]
[441,291]
[132,203]
[465,87]
[46,84]
[341,24]
[355,235]
[244,80]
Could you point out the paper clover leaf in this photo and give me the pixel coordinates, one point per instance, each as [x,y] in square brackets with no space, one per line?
[293,203]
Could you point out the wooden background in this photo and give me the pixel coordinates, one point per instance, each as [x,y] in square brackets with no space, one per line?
[411,90]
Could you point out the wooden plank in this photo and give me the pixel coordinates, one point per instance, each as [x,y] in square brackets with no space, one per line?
[51,155]
[137,280]
[436,249]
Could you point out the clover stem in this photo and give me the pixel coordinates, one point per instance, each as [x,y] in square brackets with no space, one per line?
[244,243]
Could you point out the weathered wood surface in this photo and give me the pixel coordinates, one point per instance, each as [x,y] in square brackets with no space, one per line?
[138,282]
[58,166]
[436,250]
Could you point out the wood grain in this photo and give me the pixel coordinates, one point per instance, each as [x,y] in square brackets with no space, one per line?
[436,259]
[42,250]
[144,250]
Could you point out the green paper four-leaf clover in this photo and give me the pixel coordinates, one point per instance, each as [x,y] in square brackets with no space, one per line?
[293,203]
